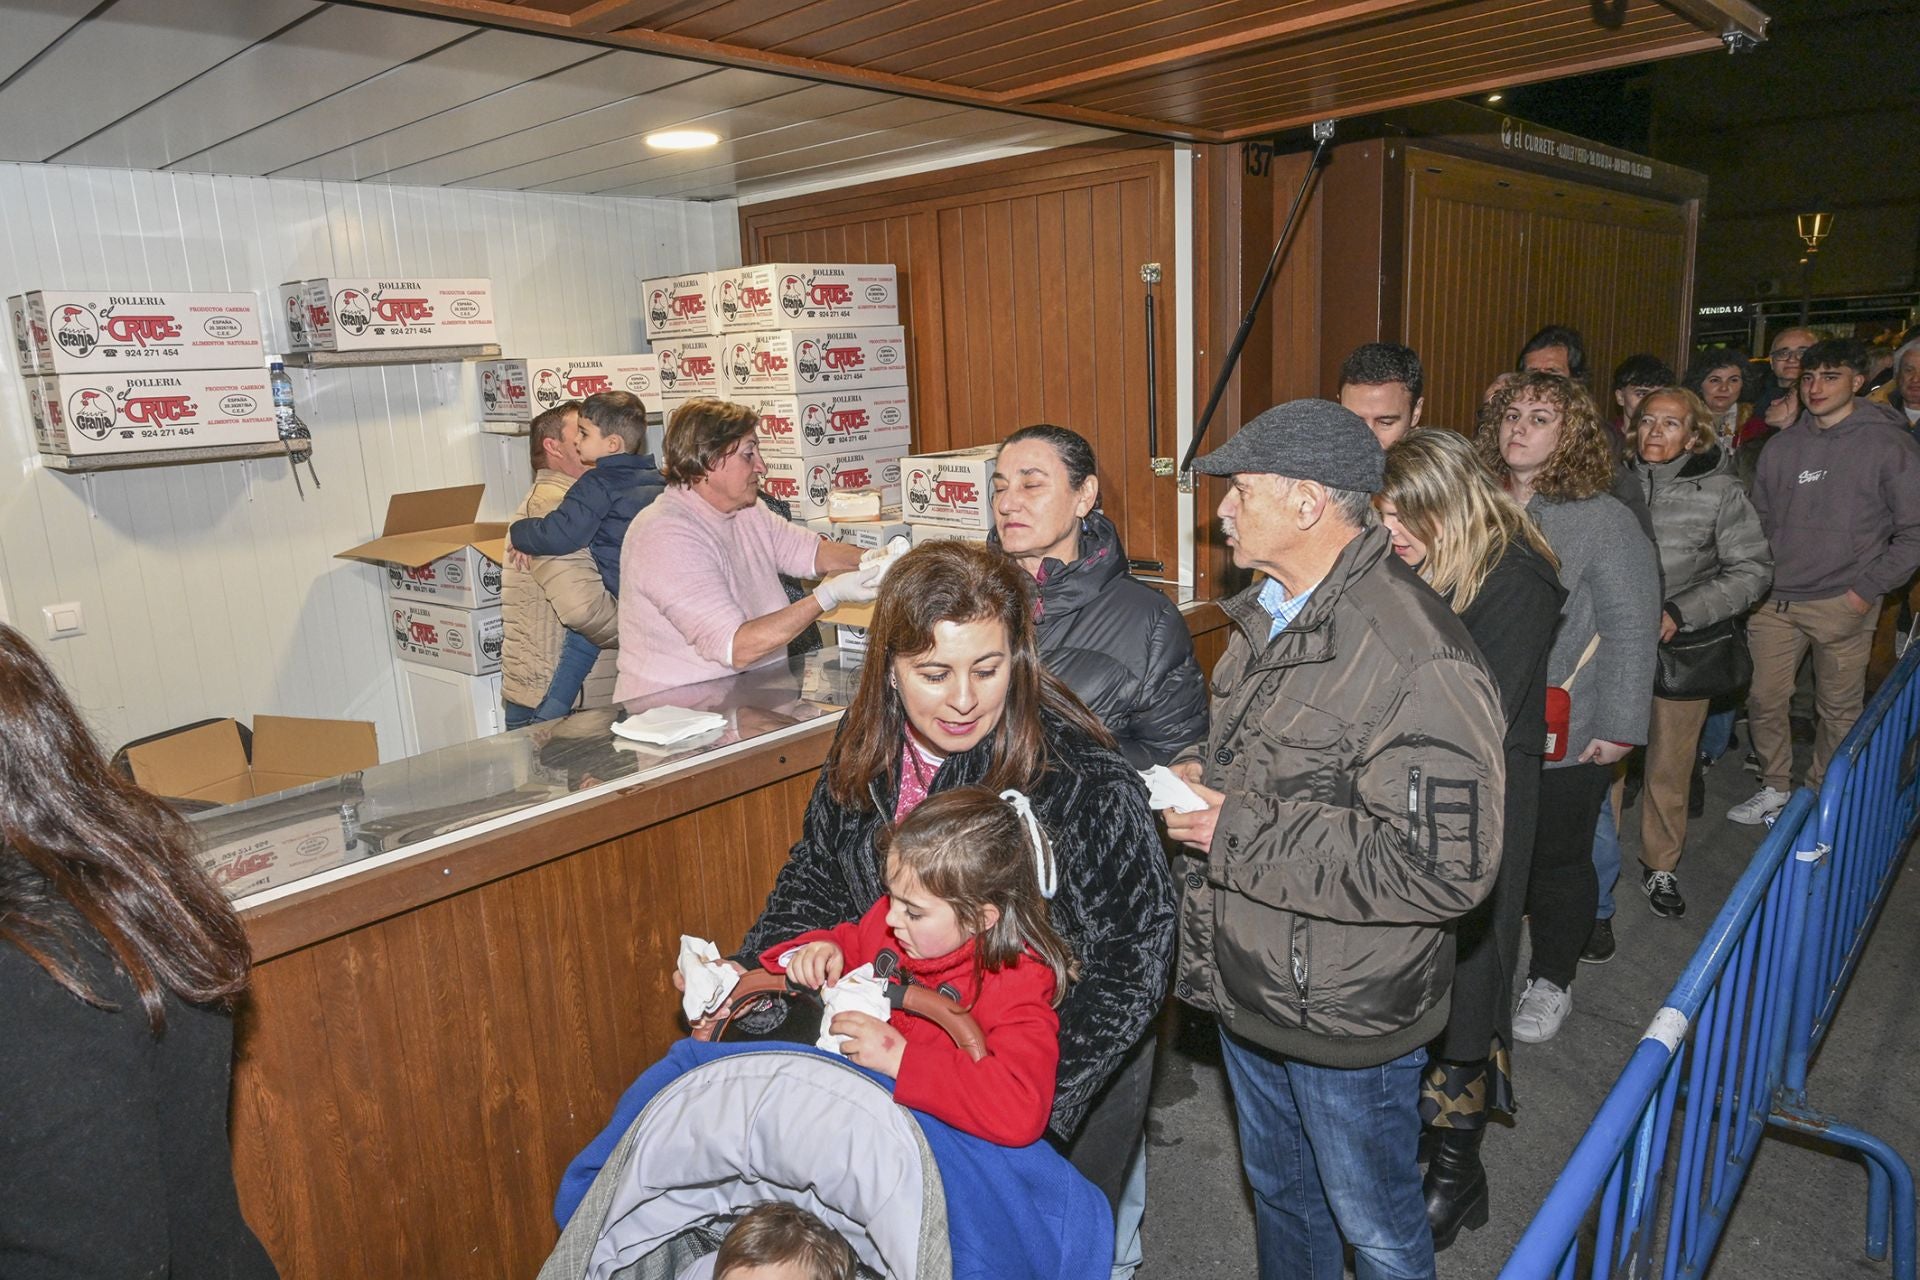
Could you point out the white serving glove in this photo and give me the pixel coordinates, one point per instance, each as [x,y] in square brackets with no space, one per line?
[855,586]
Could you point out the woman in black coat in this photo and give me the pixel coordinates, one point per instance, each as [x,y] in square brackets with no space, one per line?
[953,693]
[1121,646]
[1475,546]
[119,965]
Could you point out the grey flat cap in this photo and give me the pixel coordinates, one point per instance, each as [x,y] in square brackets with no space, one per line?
[1305,440]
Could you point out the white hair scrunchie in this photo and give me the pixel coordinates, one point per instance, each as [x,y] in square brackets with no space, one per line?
[1043,865]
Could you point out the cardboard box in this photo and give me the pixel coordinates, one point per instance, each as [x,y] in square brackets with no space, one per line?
[522,388]
[852,642]
[797,361]
[28,358]
[368,314]
[246,852]
[677,306]
[292,310]
[951,488]
[920,533]
[805,295]
[43,409]
[209,762]
[688,368]
[157,409]
[833,421]
[805,482]
[88,332]
[868,534]
[433,550]
[464,640]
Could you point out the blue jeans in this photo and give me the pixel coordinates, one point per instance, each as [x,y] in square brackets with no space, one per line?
[1127,1253]
[1332,1152]
[1606,857]
[577,657]
[1717,735]
[517,716]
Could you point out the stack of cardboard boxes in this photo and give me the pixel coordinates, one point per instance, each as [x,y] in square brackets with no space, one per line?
[442,571]
[126,372]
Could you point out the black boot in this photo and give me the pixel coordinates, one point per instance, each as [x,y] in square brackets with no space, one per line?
[1455,1185]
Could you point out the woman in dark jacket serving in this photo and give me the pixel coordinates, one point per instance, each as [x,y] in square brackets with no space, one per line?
[954,693]
[119,965]
[1121,646]
[1477,548]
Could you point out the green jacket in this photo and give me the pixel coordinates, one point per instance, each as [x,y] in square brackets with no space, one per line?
[1360,754]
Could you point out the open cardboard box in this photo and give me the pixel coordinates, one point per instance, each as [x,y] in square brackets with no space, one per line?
[209,763]
[433,548]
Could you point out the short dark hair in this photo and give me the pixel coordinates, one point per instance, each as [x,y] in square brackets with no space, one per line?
[548,426]
[1076,455]
[1705,362]
[1829,353]
[1373,364]
[700,434]
[776,1232]
[618,413]
[1643,370]
[1558,335]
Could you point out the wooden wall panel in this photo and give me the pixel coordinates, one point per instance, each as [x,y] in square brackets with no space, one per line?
[407,1094]
[1023,302]
[1494,253]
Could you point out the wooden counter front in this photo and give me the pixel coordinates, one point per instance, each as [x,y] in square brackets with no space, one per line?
[425,1047]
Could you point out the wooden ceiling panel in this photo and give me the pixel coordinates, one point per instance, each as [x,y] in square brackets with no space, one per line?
[1180,68]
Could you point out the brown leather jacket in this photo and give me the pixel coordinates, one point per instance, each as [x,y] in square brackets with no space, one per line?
[1360,753]
[538,605]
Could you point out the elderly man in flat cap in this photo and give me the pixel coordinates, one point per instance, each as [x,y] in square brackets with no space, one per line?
[1353,778]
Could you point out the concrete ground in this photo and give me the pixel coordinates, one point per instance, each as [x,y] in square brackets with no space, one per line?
[1802,1213]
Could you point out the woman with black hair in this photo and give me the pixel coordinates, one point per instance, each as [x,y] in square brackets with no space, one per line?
[120,963]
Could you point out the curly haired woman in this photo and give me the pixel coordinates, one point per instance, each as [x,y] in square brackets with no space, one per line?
[1544,440]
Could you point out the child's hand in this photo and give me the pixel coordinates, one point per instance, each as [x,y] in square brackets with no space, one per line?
[870,1042]
[519,559]
[816,964]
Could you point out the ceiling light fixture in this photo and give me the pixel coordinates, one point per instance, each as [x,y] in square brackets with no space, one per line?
[682,139]
[1494,97]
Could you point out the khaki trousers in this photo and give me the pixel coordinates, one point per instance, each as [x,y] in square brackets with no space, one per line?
[1673,740]
[1779,634]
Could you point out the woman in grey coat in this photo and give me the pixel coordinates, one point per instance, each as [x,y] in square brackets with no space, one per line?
[1715,564]
[1545,441]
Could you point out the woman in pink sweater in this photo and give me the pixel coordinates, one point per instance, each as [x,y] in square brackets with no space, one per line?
[700,593]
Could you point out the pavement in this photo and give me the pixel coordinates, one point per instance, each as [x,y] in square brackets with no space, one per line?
[1802,1213]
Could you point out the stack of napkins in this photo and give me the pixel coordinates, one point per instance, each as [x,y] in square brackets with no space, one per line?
[665,726]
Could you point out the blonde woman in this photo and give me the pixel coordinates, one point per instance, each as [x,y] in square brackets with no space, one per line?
[1475,546]
[1543,439]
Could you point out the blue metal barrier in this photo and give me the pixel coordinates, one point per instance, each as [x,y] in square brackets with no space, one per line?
[1660,1166]
[1722,1037]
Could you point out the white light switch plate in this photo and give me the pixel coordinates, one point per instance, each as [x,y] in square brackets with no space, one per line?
[64,620]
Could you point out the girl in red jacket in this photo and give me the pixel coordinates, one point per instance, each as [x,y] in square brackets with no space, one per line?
[967,874]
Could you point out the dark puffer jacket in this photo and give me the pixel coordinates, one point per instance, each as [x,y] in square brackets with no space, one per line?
[1122,647]
[1114,908]
[1360,755]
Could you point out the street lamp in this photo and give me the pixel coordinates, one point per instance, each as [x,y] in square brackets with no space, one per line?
[1812,229]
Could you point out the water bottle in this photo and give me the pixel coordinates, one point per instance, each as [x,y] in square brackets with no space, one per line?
[283,414]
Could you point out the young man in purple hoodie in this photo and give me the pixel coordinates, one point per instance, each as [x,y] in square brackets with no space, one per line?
[1838,494]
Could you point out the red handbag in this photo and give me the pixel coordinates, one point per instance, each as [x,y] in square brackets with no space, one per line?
[1560,705]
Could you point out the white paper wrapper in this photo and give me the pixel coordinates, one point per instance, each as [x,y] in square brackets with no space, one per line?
[664,726]
[1167,790]
[709,981]
[856,992]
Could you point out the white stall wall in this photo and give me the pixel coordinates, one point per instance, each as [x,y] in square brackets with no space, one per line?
[212,589]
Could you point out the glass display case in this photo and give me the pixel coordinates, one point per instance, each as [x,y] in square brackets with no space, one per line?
[267,847]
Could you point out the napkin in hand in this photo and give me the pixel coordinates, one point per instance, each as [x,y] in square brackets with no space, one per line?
[709,980]
[856,992]
[1168,790]
[664,726]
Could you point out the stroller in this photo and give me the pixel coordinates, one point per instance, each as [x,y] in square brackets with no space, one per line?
[713,1129]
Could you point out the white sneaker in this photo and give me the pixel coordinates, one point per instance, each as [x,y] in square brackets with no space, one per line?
[1763,805]
[1542,1008]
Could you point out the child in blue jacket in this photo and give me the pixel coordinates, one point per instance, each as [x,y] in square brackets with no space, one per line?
[619,482]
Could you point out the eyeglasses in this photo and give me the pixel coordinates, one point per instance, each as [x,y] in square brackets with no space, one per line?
[1788,353]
